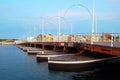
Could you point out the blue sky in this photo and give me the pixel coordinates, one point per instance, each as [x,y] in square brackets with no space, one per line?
[21,18]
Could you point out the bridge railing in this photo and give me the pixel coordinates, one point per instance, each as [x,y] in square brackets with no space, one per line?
[106,39]
[97,37]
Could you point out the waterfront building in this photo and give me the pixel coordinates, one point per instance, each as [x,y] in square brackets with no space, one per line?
[71,38]
[39,38]
[87,38]
[64,38]
[19,41]
[79,38]
[55,38]
[31,39]
[8,42]
[95,38]
[49,38]
[106,37]
[117,38]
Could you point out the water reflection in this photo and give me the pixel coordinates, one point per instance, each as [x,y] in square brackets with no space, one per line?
[17,65]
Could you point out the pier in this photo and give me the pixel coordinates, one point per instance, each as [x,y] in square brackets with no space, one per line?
[73,46]
[100,47]
[60,40]
[77,55]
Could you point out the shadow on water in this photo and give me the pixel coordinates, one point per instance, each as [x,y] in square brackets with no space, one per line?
[111,71]
[108,72]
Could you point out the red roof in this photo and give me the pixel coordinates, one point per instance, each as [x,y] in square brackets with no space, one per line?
[107,35]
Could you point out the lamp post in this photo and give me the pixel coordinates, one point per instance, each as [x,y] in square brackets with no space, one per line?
[59,28]
[112,39]
[43,32]
[112,42]
[60,19]
[119,38]
[71,31]
[43,35]
[93,20]
[44,22]
[59,25]
[90,13]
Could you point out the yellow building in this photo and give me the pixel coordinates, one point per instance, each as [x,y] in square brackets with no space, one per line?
[95,38]
[49,38]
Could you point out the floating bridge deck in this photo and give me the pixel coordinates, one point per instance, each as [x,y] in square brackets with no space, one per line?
[101,47]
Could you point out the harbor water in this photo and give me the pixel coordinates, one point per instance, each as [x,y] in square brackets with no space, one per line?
[18,65]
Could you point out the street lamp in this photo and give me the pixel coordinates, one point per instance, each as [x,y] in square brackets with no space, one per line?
[44,22]
[59,25]
[93,19]
[91,14]
[59,28]
[60,20]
